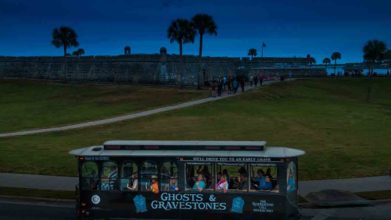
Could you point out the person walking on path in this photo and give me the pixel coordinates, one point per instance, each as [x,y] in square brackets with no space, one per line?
[255,79]
[229,84]
[242,83]
[235,84]
[260,79]
[220,87]
[213,86]
[225,81]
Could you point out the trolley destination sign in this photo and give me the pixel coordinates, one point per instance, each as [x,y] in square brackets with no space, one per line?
[230,159]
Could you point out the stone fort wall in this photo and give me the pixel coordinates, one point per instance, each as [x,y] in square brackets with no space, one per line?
[138,68]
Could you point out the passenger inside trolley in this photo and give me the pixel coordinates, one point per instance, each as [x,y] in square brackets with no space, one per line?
[133,183]
[200,184]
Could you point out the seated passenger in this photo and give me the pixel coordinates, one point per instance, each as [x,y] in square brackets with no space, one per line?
[234,183]
[265,183]
[256,180]
[260,173]
[243,182]
[173,184]
[225,173]
[219,174]
[204,171]
[155,185]
[134,181]
[222,185]
[200,184]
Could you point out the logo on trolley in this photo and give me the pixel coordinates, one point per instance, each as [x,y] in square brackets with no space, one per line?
[95,199]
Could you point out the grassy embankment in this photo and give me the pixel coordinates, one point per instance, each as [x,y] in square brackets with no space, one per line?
[342,133]
[36,104]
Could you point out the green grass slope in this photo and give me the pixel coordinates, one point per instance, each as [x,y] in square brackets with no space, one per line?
[36,104]
[342,133]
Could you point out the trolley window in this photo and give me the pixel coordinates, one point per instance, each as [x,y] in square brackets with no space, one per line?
[148,176]
[199,177]
[169,176]
[264,177]
[232,177]
[129,176]
[109,176]
[89,175]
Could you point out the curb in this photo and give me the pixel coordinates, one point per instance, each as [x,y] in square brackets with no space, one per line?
[36,199]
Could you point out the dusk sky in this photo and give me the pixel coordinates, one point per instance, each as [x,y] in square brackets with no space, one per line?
[288,27]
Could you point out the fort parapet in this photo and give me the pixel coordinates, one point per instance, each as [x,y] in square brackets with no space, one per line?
[142,68]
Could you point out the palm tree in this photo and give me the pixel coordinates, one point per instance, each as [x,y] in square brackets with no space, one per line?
[375,51]
[64,37]
[181,31]
[252,52]
[310,60]
[78,52]
[204,24]
[326,61]
[336,56]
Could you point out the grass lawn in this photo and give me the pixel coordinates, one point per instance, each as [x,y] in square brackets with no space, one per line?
[342,133]
[35,104]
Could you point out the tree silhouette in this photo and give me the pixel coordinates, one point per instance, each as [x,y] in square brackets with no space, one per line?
[375,51]
[204,24]
[336,56]
[181,31]
[310,60]
[64,37]
[326,61]
[78,52]
[252,52]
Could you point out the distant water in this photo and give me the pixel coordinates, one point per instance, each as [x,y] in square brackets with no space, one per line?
[340,71]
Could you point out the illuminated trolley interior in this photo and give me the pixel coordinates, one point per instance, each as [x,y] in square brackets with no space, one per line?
[184,179]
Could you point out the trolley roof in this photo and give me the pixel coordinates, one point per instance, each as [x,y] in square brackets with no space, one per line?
[187,149]
[183,145]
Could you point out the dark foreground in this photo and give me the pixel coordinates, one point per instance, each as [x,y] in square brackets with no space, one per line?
[18,210]
[32,210]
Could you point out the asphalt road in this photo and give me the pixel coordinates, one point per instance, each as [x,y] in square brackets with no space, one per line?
[33,210]
[16,210]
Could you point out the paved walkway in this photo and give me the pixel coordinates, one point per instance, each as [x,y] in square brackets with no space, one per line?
[364,184]
[128,116]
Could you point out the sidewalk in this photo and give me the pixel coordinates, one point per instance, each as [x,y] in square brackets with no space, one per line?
[365,184]
[128,116]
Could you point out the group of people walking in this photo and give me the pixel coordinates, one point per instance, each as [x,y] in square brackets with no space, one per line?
[231,84]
